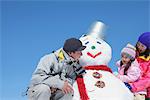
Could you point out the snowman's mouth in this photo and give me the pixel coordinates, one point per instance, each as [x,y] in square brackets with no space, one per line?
[93,56]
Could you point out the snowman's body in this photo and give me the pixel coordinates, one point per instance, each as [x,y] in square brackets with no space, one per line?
[98,53]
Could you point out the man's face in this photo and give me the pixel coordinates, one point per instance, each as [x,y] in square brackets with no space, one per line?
[141,47]
[76,55]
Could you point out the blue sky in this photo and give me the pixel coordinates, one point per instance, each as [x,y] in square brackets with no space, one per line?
[31,29]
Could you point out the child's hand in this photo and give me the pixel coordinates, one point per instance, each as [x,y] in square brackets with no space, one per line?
[115,73]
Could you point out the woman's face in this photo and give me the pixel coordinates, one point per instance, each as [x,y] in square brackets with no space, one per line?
[125,59]
[141,47]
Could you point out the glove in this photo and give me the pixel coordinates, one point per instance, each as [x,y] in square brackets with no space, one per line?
[115,73]
[128,86]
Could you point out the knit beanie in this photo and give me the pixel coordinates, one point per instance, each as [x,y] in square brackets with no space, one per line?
[145,39]
[130,50]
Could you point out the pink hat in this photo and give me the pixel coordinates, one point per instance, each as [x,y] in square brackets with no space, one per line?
[130,50]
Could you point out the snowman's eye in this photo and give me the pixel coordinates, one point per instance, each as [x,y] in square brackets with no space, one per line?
[98,42]
[86,42]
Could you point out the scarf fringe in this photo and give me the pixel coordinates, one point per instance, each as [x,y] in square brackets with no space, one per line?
[82,89]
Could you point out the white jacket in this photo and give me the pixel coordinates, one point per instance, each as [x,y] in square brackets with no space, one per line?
[48,70]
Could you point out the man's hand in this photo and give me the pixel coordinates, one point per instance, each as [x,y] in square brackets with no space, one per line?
[67,88]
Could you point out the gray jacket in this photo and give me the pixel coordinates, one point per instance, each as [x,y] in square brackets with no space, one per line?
[50,70]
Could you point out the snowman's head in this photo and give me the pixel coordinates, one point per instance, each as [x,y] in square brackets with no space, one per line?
[97,51]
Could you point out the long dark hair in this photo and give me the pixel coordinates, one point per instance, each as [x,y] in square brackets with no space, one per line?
[145,54]
[127,66]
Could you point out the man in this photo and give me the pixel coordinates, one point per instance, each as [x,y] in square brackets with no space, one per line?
[50,81]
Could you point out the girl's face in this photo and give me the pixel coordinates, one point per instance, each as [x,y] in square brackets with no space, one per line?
[125,59]
[141,47]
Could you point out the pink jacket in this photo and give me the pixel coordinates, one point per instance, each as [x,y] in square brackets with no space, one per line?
[144,80]
[133,73]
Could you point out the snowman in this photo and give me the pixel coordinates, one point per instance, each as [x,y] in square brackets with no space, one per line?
[98,83]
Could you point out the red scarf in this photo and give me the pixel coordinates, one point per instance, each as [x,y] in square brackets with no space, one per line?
[80,80]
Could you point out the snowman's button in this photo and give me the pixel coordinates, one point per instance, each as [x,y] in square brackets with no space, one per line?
[100,84]
[97,75]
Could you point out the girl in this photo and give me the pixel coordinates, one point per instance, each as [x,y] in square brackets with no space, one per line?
[129,70]
[128,67]
[143,58]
